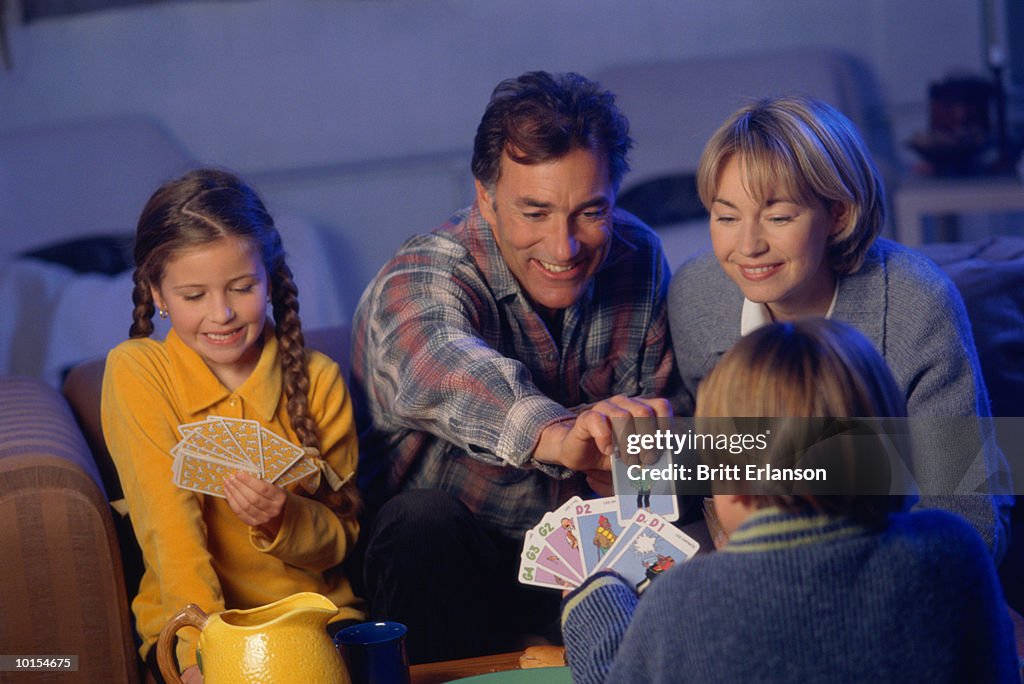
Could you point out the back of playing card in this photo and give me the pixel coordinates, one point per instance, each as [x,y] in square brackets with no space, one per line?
[246,434]
[200,473]
[278,454]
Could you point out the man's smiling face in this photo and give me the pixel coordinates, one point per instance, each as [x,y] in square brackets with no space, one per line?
[553,224]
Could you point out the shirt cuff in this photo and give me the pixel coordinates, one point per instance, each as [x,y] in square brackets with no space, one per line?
[185,650]
[264,544]
[525,421]
[613,590]
[594,621]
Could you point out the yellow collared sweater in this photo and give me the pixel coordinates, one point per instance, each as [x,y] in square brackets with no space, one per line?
[194,548]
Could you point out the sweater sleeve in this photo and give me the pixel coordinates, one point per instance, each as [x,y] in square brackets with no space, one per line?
[658,376]
[704,319]
[930,344]
[139,421]
[313,536]
[594,620]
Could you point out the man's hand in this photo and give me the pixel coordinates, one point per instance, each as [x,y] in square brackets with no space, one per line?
[586,443]
[600,481]
[256,503]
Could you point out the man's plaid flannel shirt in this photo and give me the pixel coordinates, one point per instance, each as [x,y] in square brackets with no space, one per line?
[454,375]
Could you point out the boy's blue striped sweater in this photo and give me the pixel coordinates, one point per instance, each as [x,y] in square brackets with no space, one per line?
[809,599]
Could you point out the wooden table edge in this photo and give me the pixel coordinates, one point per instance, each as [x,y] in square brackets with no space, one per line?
[447,670]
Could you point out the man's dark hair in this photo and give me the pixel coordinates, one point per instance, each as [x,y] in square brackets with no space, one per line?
[539,117]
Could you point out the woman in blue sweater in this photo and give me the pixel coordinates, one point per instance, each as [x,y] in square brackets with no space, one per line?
[808,588]
[796,205]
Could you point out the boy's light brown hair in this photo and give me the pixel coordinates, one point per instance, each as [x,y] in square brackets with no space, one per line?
[812,368]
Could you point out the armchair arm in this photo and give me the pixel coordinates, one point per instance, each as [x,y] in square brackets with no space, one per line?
[61,582]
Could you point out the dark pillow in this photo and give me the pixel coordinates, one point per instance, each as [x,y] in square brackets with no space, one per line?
[108,254]
[664,200]
[990,276]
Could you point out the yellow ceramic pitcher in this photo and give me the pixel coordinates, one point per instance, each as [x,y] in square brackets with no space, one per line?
[285,641]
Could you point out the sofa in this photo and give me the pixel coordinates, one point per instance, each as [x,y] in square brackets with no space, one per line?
[70,563]
[71,191]
[65,260]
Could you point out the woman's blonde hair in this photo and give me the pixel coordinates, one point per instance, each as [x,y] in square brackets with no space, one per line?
[816,153]
[811,368]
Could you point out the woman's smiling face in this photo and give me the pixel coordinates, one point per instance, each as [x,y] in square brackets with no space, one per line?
[773,248]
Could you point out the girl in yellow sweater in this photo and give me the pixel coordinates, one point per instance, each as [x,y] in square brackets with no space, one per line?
[208,257]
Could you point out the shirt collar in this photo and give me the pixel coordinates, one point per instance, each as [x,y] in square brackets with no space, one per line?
[485,252]
[772,529]
[200,389]
[755,315]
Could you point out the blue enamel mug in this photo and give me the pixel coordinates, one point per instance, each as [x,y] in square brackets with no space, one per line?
[375,652]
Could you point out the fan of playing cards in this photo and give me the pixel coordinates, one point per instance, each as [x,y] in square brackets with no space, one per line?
[583,537]
[216,448]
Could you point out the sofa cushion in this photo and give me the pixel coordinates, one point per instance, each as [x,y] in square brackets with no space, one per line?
[117,163]
[675,105]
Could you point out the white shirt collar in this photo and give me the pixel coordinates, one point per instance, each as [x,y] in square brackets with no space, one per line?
[754,314]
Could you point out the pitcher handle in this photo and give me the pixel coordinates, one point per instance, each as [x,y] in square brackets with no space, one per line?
[189,616]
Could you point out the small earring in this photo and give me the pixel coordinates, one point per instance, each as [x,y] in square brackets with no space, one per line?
[163,313]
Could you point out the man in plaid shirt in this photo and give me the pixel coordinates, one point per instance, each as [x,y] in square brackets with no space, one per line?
[490,357]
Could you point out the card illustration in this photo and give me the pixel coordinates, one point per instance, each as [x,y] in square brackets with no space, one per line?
[558,529]
[203,475]
[642,492]
[535,549]
[649,546]
[598,526]
[639,551]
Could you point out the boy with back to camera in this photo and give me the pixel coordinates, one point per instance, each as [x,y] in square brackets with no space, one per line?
[840,588]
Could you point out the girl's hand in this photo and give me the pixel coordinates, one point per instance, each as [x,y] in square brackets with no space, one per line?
[191,675]
[256,503]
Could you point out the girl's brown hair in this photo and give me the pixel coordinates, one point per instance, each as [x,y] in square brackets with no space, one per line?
[199,208]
